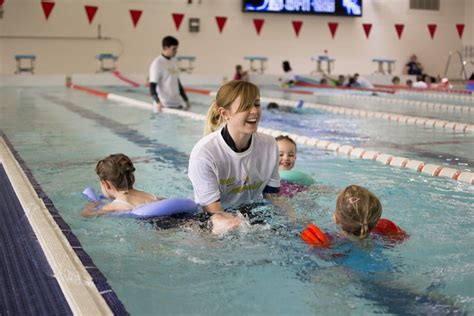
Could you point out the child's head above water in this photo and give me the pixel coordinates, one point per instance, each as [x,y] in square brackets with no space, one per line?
[116,170]
[287,150]
[357,211]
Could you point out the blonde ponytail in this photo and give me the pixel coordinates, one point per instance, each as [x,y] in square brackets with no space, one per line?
[214,119]
[357,210]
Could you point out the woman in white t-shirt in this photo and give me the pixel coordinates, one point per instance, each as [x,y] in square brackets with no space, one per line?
[234,164]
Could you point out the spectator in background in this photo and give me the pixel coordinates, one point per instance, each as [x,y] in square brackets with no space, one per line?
[362,82]
[396,81]
[413,67]
[352,83]
[240,74]
[420,83]
[289,77]
[409,83]
[339,82]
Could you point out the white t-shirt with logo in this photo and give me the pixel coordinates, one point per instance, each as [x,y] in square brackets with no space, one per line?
[219,173]
[164,72]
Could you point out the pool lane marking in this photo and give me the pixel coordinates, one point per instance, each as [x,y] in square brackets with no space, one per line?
[431,90]
[422,153]
[419,104]
[433,93]
[339,149]
[162,152]
[318,86]
[399,118]
[119,75]
[389,116]
[440,96]
[76,283]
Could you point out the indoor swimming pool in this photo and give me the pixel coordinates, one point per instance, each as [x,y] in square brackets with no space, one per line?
[262,268]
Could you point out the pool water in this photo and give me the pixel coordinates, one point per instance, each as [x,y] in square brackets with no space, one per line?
[261,269]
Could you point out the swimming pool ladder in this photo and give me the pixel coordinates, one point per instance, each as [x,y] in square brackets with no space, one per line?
[463,65]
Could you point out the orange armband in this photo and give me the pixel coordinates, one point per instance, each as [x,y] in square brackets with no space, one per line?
[386,227]
[314,236]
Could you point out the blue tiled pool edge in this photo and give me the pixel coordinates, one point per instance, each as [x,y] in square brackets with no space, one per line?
[100,281]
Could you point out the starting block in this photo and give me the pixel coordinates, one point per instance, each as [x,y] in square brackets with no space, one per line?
[20,68]
[103,58]
[259,59]
[182,63]
[322,60]
[381,62]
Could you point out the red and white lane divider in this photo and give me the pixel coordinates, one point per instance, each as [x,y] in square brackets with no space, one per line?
[438,89]
[140,104]
[339,149]
[386,159]
[394,117]
[467,97]
[119,75]
[325,86]
[419,104]
[436,106]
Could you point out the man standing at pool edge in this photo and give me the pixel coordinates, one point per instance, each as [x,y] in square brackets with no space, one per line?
[165,87]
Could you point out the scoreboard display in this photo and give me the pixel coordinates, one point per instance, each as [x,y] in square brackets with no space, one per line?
[351,8]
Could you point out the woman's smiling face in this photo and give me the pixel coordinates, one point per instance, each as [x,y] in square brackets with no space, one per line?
[244,122]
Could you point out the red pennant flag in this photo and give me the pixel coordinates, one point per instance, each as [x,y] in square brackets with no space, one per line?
[135,14]
[460,28]
[47,8]
[297,27]
[399,28]
[432,29]
[177,18]
[333,28]
[90,11]
[367,27]
[221,22]
[258,25]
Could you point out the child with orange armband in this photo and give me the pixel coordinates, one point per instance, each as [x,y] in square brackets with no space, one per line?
[358,213]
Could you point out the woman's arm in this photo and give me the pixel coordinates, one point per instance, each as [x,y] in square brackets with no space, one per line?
[213,208]
[222,222]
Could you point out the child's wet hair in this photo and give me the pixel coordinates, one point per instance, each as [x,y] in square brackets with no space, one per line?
[287,138]
[357,210]
[118,169]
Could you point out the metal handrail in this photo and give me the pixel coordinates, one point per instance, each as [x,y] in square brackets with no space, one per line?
[463,63]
